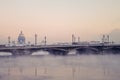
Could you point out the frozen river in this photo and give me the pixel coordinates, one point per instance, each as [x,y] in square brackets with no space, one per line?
[71,67]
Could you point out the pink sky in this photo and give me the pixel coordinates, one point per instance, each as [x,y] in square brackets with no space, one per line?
[58,19]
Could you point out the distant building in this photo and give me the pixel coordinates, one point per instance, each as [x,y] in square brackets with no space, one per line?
[21,39]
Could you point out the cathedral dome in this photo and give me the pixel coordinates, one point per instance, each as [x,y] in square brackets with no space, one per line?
[21,38]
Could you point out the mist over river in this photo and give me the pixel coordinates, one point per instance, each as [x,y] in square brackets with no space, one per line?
[42,66]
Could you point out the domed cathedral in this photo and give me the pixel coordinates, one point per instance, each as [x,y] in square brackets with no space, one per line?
[21,39]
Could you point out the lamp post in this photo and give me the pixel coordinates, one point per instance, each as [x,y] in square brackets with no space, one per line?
[9,40]
[35,39]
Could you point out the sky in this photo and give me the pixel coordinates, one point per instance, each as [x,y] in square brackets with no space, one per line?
[58,19]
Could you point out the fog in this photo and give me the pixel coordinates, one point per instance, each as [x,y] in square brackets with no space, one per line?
[50,67]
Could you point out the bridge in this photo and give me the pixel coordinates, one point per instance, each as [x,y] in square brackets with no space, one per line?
[63,49]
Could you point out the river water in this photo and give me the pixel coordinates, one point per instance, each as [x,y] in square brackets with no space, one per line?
[70,67]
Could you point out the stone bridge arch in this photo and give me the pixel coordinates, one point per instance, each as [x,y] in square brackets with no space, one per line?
[56,51]
[114,50]
[87,50]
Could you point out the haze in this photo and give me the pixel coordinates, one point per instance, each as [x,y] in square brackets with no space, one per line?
[58,19]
